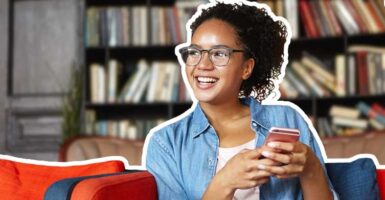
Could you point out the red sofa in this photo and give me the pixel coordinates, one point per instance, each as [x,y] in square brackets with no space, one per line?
[104,178]
[108,179]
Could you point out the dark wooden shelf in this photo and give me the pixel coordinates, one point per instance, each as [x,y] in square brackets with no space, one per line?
[138,110]
[133,52]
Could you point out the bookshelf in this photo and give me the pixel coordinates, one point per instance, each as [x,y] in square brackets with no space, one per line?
[324,48]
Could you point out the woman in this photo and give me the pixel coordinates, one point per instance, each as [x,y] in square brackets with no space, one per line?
[216,151]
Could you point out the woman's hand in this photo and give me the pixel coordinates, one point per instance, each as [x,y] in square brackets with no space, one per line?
[240,172]
[297,159]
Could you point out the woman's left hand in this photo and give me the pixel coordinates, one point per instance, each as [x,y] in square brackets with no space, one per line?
[296,159]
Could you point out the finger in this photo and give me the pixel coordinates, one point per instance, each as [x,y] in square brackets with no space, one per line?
[253,154]
[270,162]
[255,165]
[286,158]
[285,146]
[285,170]
[282,158]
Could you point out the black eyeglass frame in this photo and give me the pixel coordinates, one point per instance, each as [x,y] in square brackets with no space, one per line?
[231,51]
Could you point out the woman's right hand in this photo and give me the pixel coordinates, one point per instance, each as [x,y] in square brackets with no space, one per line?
[240,172]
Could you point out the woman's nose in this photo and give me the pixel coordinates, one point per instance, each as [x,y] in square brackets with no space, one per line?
[205,62]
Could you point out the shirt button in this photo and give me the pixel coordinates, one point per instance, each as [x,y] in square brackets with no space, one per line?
[254,124]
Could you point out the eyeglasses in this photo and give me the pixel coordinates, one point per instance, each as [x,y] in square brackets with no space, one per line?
[219,56]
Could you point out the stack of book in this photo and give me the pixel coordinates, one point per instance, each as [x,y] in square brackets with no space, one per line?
[345,121]
[361,71]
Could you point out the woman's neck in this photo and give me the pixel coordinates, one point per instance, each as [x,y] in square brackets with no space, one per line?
[224,112]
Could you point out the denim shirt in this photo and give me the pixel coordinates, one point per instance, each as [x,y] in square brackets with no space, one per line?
[182,156]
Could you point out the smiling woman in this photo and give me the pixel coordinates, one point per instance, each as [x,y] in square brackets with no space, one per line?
[217,150]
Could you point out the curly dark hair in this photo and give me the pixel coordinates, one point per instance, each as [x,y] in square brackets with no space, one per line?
[261,36]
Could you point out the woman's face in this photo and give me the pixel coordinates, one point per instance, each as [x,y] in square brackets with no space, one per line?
[217,84]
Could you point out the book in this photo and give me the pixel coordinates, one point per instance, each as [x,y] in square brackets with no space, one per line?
[340,74]
[151,91]
[98,83]
[92,27]
[140,92]
[113,76]
[349,122]
[351,78]
[344,111]
[363,87]
[112,26]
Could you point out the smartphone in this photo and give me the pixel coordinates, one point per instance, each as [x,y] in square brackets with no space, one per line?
[282,135]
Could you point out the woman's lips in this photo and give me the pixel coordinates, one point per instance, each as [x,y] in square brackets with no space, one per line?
[205,82]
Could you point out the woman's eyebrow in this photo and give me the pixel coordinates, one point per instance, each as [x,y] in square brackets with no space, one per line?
[215,46]
[195,45]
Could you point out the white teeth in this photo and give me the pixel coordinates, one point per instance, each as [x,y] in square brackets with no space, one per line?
[207,79]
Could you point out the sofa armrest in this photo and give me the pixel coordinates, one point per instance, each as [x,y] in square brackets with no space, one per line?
[128,185]
[381,182]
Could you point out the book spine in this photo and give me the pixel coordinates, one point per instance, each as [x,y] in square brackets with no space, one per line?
[363,73]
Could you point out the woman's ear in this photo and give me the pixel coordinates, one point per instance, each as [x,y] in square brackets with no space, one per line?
[248,68]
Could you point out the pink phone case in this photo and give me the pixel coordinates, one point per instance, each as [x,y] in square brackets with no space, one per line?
[282,135]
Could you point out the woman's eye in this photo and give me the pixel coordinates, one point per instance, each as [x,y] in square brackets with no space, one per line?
[193,53]
[220,53]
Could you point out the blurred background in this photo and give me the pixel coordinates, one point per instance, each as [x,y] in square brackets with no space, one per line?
[78,69]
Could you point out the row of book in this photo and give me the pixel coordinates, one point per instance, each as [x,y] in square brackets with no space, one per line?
[159,81]
[124,129]
[334,17]
[345,121]
[321,18]
[361,71]
[138,25]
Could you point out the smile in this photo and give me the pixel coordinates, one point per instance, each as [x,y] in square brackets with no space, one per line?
[202,79]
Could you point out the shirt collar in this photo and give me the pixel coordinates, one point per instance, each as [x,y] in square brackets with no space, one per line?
[258,116]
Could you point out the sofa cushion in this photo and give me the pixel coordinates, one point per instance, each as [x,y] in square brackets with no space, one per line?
[355,180]
[22,180]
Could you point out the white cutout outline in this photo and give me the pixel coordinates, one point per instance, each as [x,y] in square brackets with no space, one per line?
[270,100]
